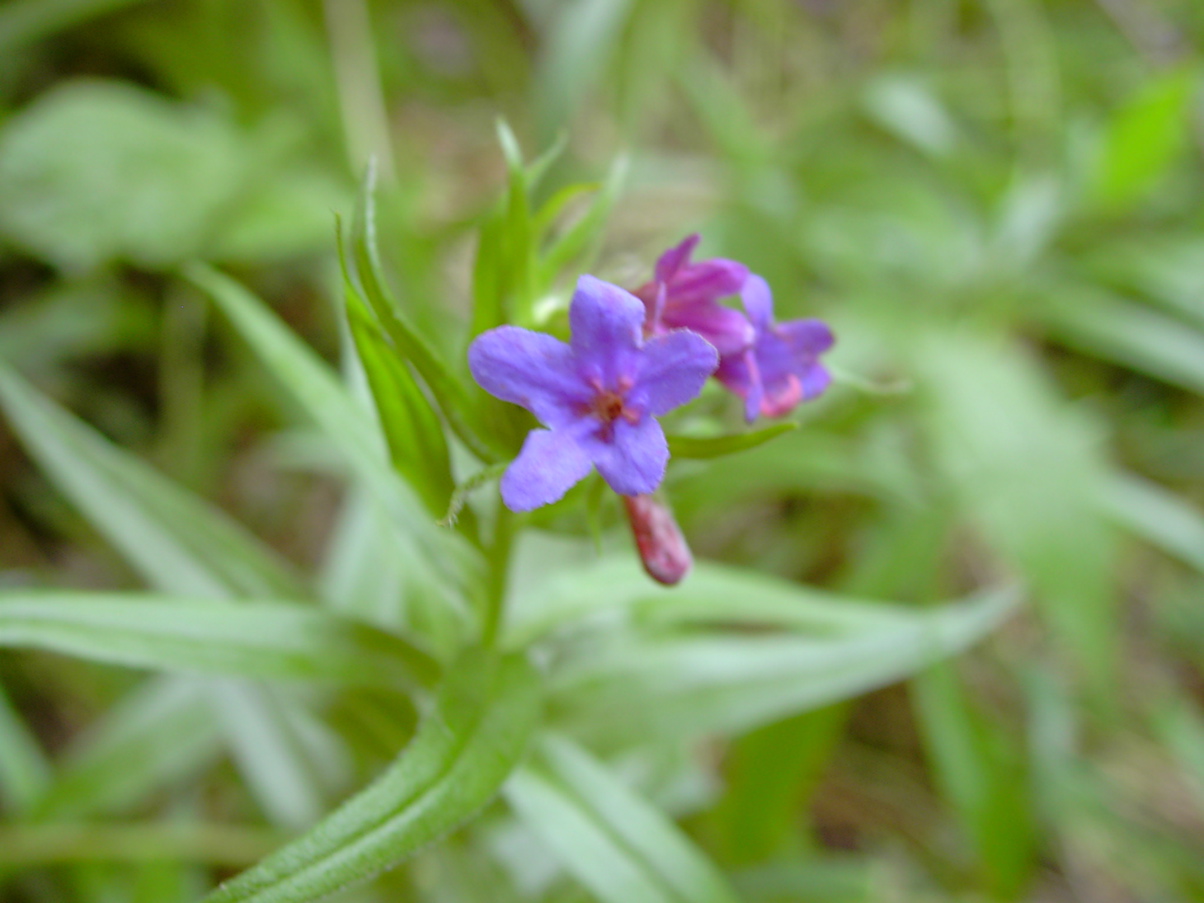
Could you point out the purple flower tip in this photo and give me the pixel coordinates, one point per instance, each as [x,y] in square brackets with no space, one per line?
[598,395]
[782,368]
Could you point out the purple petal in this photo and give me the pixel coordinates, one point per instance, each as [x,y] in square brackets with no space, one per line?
[728,330]
[549,465]
[676,257]
[528,368]
[707,280]
[739,374]
[815,380]
[806,338]
[607,329]
[633,459]
[758,302]
[675,367]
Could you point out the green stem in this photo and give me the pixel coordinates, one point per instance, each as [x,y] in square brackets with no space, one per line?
[499,570]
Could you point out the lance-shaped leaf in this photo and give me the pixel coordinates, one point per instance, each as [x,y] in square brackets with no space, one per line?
[252,639]
[449,393]
[614,842]
[176,541]
[316,388]
[412,429]
[24,768]
[165,725]
[464,749]
[717,446]
[625,686]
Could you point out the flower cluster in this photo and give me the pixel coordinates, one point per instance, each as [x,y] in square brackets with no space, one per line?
[634,356]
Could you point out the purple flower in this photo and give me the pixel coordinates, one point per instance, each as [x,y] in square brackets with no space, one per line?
[685,295]
[782,367]
[598,395]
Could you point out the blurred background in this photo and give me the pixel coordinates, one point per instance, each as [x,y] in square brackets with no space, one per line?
[997,203]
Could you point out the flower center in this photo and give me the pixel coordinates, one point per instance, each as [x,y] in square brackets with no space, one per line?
[609,405]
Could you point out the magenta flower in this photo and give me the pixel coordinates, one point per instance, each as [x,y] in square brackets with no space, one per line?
[782,367]
[599,395]
[685,295]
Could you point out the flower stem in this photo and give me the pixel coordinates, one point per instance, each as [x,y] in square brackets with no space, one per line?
[499,571]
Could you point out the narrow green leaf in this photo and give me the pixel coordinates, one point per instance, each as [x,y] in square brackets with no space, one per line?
[176,541]
[25,21]
[624,687]
[324,399]
[218,844]
[464,750]
[597,824]
[716,446]
[166,725]
[713,594]
[1128,334]
[449,394]
[259,727]
[24,768]
[412,429]
[1158,516]
[978,768]
[1028,471]
[252,639]
[585,232]
[554,206]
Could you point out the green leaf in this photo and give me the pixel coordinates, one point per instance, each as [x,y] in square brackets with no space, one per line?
[252,639]
[166,725]
[412,429]
[582,38]
[1146,137]
[324,399]
[1128,334]
[176,541]
[978,768]
[712,594]
[449,394]
[586,231]
[626,687]
[1027,471]
[463,751]
[264,730]
[225,845]
[716,446]
[621,847]
[1159,516]
[24,768]
[24,21]
[152,188]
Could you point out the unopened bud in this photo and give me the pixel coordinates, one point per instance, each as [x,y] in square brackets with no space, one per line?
[662,546]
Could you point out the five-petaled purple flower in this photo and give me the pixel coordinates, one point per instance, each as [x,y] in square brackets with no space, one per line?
[598,395]
[782,367]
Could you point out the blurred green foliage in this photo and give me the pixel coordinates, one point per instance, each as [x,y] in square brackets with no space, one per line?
[997,203]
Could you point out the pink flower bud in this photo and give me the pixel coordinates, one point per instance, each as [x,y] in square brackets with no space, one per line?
[662,547]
